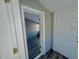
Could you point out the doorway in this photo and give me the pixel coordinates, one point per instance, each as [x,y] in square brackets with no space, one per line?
[33,26]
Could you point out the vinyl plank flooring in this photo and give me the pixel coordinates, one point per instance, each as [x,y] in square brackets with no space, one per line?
[53,55]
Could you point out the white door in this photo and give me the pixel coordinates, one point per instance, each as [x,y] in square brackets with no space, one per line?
[66,33]
[72,42]
[74,35]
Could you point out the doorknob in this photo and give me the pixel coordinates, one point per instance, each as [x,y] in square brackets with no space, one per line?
[15,50]
[76,41]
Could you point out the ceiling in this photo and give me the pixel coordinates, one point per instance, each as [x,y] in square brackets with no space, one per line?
[54,5]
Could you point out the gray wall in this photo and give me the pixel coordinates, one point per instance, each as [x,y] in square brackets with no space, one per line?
[36,5]
[65,32]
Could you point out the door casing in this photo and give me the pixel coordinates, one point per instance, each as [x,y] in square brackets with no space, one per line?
[42,30]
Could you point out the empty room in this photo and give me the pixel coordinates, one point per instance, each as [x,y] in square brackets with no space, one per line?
[38,29]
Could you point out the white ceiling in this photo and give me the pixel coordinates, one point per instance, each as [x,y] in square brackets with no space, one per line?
[53,5]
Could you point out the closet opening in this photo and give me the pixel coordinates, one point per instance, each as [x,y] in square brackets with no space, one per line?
[33,32]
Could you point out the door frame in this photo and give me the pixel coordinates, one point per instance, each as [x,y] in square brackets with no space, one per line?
[42,31]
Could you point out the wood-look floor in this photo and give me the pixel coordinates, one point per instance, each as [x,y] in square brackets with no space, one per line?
[53,55]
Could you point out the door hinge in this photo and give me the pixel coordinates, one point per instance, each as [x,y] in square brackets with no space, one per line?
[15,50]
[7,1]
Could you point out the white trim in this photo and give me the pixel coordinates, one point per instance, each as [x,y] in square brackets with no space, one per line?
[24,32]
[42,15]
[18,28]
[12,28]
[28,9]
